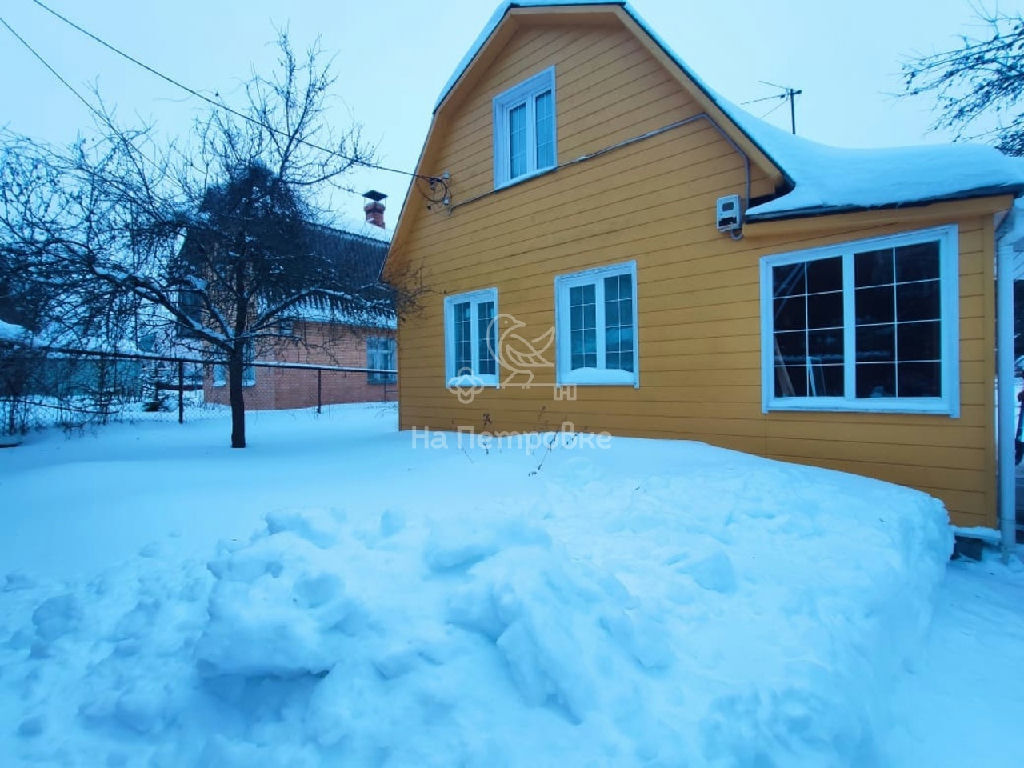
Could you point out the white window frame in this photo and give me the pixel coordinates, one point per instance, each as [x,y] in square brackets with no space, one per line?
[563,337]
[524,92]
[475,379]
[373,359]
[949,314]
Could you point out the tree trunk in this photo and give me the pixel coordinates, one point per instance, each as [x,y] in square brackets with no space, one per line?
[235,371]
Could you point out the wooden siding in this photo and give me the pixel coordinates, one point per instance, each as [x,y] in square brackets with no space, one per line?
[698,291]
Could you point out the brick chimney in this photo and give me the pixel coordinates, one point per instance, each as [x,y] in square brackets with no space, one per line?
[374,208]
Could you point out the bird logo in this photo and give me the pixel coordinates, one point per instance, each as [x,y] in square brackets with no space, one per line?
[519,356]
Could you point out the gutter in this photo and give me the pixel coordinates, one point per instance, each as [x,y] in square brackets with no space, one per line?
[828,210]
[1005,433]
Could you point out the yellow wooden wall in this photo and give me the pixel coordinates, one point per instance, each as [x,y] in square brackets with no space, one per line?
[698,292]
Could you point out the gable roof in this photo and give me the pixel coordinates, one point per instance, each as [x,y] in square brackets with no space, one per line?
[811,178]
[823,178]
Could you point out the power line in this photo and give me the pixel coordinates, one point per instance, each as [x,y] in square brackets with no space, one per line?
[53,71]
[220,105]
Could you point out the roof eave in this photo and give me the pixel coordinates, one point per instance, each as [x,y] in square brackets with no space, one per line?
[828,210]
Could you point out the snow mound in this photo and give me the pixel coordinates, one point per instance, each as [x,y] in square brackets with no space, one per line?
[656,604]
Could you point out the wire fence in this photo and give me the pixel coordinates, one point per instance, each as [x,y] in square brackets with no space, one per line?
[74,388]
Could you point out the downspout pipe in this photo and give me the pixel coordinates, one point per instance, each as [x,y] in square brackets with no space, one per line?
[1005,397]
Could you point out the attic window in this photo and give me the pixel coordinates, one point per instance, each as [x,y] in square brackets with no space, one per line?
[524,129]
[865,326]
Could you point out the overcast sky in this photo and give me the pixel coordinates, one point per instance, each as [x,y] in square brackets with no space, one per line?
[393,56]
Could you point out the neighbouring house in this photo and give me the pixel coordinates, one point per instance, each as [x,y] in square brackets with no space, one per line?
[314,336]
[620,248]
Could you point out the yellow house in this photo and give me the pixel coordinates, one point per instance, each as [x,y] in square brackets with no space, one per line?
[609,244]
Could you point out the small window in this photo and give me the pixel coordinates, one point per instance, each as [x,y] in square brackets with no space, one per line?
[286,327]
[471,338]
[524,129]
[869,325]
[596,327]
[380,357]
[220,372]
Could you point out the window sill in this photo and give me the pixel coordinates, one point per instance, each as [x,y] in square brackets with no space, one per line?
[924,405]
[599,378]
[468,382]
[524,177]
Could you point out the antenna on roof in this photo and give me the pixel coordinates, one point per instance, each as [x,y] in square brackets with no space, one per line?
[790,94]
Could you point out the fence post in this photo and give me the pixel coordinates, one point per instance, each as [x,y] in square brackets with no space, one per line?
[181,391]
[319,389]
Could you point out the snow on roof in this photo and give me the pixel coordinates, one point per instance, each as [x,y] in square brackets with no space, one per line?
[363,229]
[832,178]
[316,313]
[12,332]
[824,178]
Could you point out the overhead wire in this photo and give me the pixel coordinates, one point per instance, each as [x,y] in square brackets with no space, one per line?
[221,105]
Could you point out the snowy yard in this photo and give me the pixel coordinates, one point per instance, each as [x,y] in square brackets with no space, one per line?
[340,593]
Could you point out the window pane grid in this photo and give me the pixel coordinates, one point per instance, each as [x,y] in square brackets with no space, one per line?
[808,309]
[517,141]
[487,341]
[583,326]
[545,130]
[618,320]
[463,339]
[890,304]
[380,355]
[898,322]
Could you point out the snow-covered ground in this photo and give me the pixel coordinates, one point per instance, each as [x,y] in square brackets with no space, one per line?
[383,598]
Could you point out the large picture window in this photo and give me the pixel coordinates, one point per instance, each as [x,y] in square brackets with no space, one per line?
[471,338]
[524,129]
[869,325]
[595,326]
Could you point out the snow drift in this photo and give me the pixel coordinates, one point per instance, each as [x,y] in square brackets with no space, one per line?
[658,603]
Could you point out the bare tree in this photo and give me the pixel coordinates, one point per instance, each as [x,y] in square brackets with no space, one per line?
[982,77]
[211,235]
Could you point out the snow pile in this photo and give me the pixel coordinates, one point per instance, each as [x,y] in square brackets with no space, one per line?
[657,603]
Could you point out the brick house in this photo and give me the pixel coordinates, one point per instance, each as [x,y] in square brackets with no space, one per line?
[315,336]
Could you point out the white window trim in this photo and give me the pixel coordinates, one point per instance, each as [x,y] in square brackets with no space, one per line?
[949,314]
[502,105]
[563,339]
[474,297]
[390,351]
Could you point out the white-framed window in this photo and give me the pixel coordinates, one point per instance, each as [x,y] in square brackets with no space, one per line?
[525,132]
[380,354]
[471,338]
[868,325]
[596,326]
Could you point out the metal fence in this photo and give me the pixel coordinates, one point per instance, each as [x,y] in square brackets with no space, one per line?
[72,388]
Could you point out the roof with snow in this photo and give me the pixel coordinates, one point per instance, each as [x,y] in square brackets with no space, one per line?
[822,179]
[13,333]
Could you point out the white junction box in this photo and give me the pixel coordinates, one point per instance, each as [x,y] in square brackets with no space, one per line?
[729,215]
